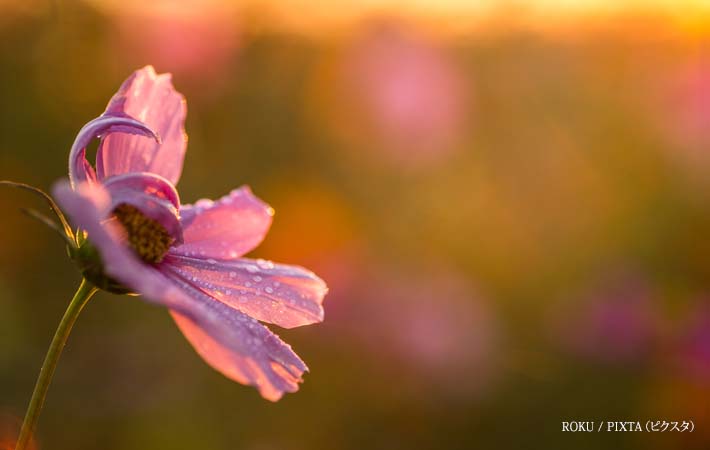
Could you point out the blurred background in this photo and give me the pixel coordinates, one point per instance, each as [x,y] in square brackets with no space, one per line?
[510,201]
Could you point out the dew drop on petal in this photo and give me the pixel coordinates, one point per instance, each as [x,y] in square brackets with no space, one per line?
[264,264]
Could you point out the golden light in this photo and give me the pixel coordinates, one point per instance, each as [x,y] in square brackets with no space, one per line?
[447,15]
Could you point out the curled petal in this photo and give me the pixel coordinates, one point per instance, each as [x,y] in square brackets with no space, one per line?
[224,229]
[288,296]
[79,168]
[152,194]
[227,339]
[151,99]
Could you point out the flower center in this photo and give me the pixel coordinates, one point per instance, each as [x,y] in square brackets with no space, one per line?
[148,238]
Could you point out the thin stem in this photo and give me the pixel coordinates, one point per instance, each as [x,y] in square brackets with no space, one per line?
[83,294]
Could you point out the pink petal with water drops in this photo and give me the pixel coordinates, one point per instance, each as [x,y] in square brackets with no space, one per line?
[288,296]
[239,347]
[230,341]
[224,229]
[151,99]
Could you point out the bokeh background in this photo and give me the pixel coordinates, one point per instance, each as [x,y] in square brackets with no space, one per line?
[510,201]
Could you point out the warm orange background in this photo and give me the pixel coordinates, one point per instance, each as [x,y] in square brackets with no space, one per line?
[510,202]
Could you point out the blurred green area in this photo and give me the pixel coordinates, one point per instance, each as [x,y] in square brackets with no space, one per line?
[513,225]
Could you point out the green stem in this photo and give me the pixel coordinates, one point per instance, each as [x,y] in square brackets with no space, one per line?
[83,294]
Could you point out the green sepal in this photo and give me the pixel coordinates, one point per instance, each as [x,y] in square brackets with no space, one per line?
[88,260]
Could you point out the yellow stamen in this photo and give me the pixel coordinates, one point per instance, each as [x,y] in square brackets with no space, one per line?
[148,238]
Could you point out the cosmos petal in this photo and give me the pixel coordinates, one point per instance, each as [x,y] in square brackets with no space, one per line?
[288,296]
[152,194]
[79,167]
[230,341]
[224,229]
[149,98]
[89,206]
[239,347]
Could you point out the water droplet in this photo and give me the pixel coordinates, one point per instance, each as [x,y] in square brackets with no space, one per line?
[257,278]
[232,274]
[252,269]
[264,264]
[269,290]
[211,261]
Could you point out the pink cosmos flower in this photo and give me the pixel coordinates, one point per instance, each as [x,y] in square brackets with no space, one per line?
[428,322]
[411,91]
[693,351]
[139,238]
[196,46]
[615,322]
[686,107]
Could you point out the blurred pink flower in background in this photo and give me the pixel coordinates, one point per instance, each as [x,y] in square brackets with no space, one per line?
[693,345]
[410,91]
[433,323]
[685,110]
[615,323]
[194,41]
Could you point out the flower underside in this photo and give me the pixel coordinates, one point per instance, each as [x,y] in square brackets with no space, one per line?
[148,238]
